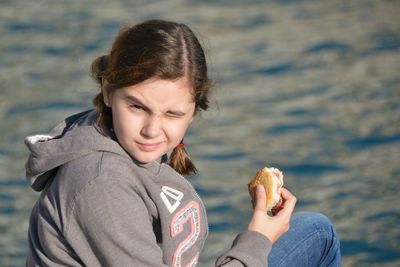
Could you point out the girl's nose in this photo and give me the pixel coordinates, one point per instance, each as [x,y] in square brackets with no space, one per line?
[151,127]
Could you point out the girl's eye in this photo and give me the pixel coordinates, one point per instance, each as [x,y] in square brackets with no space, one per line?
[173,115]
[135,106]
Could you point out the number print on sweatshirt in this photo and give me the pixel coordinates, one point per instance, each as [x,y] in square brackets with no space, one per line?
[188,214]
[172,194]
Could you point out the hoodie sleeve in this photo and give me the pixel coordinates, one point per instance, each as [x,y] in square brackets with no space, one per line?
[249,248]
[110,226]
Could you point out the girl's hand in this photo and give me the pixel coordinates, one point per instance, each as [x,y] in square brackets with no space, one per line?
[272,227]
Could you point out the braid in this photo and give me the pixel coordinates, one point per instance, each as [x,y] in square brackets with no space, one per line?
[180,161]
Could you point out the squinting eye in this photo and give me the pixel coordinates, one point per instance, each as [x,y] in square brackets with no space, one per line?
[173,115]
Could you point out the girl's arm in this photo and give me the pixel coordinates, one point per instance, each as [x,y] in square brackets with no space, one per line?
[252,247]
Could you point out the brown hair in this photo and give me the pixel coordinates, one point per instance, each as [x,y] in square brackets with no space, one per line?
[154,49]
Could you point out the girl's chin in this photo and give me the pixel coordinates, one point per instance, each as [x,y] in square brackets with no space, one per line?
[147,157]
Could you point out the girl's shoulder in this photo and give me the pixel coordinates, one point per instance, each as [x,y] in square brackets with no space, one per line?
[94,172]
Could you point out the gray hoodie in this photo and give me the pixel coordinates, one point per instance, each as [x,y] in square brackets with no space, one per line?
[100,207]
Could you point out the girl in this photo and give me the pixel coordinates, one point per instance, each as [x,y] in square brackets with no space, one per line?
[111,179]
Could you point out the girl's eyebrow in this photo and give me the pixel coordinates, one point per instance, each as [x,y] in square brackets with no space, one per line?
[134,99]
[137,101]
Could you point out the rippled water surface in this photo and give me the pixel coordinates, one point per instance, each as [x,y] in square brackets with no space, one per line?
[311,87]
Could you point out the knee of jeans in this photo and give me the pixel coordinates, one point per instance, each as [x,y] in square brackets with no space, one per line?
[317,221]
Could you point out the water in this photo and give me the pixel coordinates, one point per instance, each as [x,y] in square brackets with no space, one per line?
[311,87]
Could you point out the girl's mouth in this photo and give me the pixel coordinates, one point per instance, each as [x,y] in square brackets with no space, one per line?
[149,147]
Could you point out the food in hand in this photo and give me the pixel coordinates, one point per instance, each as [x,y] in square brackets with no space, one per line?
[272,180]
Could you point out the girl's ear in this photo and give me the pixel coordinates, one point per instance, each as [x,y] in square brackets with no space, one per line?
[107,94]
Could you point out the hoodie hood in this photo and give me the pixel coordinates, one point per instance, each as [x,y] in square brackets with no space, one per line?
[75,137]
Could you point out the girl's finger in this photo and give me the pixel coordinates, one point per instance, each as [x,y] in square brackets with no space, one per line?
[289,202]
[261,199]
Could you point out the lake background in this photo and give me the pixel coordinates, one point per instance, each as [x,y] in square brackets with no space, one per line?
[311,87]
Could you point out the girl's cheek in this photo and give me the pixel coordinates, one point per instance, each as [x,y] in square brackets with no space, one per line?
[176,131]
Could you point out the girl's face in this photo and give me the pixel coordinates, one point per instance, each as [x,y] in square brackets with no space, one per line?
[151,118]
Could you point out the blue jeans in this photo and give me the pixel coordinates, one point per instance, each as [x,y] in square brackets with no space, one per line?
[310,241]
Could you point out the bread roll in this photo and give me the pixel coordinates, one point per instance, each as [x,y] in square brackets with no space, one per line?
[272,180]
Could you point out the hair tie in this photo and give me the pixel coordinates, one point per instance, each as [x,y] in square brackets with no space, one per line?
[181,145]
